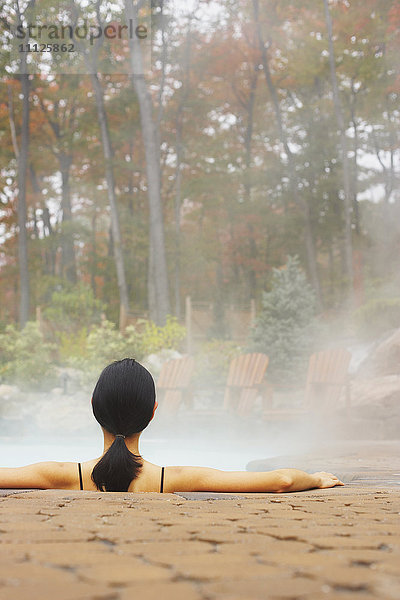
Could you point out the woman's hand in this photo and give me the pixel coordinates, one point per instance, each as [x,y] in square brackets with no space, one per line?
[327,480]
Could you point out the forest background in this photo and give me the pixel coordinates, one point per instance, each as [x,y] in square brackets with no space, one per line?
[265,129]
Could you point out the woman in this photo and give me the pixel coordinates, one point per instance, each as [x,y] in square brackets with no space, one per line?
[124,403]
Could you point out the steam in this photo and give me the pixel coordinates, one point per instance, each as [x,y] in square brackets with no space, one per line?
[62,428]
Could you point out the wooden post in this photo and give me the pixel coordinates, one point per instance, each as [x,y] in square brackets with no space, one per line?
[188,323]
[348,397]
[252,312]
[123,318]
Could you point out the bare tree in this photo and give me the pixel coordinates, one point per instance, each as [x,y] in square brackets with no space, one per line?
[22,159]
[151,137]
[343,148]
[356,144]
[50,249]
[92,64]
[115,226]
[179,120]
[62,126]
[298,198]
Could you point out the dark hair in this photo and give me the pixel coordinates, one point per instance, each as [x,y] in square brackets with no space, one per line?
[123,403]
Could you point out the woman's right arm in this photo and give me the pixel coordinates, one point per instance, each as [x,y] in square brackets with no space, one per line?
[43,475]
[204,479]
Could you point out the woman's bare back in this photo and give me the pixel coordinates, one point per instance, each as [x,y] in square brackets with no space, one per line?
[149,479]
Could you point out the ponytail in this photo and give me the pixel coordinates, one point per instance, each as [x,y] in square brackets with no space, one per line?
[123,400]
[108,477]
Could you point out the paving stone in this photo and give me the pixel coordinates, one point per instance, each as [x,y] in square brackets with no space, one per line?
[361,555]
[264,588]
[52,589]
[336,544]
[366,542]
[263,546]
[389,565]
[50,551]
[288,557]
[388,587]
[344,577]
[27,572]
[328,594]
[44,536]
[123,571]
[212,566]
[157,550]
[165,590]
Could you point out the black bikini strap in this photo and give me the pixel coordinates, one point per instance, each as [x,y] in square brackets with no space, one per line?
[80,476]
[162,480]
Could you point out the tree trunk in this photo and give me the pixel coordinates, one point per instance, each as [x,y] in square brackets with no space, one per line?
[356,210]
[298,198]
[68,264]
[343,147]
[22,181]
[115,227]
[178,171]
[49,251]
[151,282]
[247,180]
[22,161]
[157,261]
[64,156]
[12,122]
[92,65]
[177,213]
[22,210]
[93,266]
[385,249]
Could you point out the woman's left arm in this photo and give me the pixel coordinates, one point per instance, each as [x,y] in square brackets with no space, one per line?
[43,475]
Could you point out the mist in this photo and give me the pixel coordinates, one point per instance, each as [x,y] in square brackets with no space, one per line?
[240,197]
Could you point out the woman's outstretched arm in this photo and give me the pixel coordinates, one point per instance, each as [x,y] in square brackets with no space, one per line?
[300,480]
[204,479]
[43,475]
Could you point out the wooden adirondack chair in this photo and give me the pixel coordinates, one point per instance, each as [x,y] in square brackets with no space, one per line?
[245,377]
[326,377]
[174,383]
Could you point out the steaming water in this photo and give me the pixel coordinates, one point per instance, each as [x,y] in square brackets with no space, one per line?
[53,427]
[159,451]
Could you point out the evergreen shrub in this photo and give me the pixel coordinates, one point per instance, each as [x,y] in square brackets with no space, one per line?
[285,327]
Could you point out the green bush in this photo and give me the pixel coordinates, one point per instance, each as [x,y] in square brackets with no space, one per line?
[285,328]
[72,344]
[26,358]
[154,338]
[105,344]
[376,317]
[69,316]
[73,308]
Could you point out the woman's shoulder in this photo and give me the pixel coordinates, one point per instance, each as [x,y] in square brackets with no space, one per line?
[186,478]
[66,474]
[176,478]
[42,475]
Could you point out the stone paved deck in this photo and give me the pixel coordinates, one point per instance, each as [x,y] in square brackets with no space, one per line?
[341,543]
